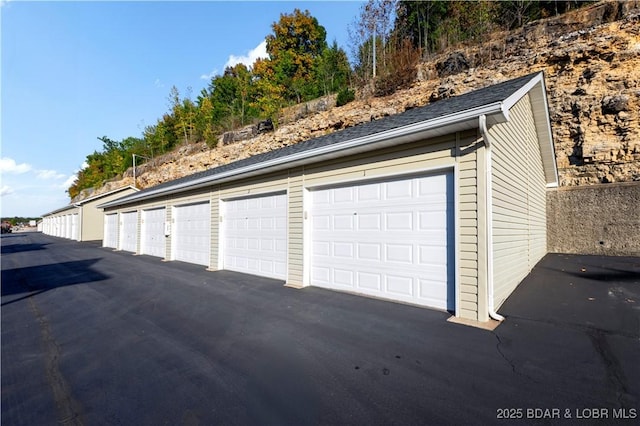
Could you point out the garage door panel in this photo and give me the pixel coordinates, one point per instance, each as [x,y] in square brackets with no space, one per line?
[191,234]
[370,251]
[152,232]
[369,281]
[343,249]
[321,276]
[129,231]
[398,190]
[371,192]
[369,221]
[321,222]
[399,285]
[111,231]
[321,248]
[400,221]
[399,253]
[281,246]
[386,239]
[280,268]
[255,239]
[343,277]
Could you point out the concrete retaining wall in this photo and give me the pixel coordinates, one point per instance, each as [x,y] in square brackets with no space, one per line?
[596,219]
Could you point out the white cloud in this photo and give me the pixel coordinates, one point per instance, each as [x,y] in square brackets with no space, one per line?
[9,165]
[5,190]
[158,83]
[210,75]
[67,183]
[49,174]
[260,51]
[4,3]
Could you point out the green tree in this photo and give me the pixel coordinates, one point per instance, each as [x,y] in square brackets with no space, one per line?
[421,23]
[332,70]
[269,95]
[184,113]
[297,40]
[205,128]
[230,95]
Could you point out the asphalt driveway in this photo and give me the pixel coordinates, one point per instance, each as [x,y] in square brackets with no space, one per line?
[91,336]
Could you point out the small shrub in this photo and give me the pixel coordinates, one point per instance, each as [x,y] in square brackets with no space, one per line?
[402,70]
[345,96]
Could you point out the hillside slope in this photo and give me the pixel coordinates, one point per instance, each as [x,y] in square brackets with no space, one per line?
[591,60]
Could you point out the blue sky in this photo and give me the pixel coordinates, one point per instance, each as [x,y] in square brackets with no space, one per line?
[75,71]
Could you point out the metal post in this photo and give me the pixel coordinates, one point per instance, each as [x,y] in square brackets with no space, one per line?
[134,167]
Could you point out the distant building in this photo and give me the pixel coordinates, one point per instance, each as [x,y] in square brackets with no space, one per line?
[81,221]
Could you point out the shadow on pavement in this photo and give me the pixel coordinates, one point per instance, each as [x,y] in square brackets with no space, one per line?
[38,279]
[608,274]
[17,248]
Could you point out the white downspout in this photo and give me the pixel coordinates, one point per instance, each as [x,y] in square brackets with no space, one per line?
[489,215]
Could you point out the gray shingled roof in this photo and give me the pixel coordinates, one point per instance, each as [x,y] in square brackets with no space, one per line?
[448,107]
[88,199]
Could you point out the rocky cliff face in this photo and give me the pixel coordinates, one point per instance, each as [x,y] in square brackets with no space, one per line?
[591,60]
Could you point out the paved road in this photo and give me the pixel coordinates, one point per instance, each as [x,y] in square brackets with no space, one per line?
[91,336]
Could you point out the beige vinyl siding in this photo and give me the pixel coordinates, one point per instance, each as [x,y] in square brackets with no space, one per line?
[537,207]
[467,187]
[214,248]
[518,200]
[92,217]
[138,230]
[414,157]
[295,233]
[167,240]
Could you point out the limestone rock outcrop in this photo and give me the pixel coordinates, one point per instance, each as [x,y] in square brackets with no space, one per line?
[591,61]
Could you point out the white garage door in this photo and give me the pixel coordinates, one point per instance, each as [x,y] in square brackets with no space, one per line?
[67,226]
[128,231]
[255,235]
[191,233]
[152,232]
[110,231]
[391,239]
[74,226]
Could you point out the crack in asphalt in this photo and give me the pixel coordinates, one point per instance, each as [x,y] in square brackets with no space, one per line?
[578,327]
[69,410]
[613,369]
[598,338]
[513,366]
[511,363]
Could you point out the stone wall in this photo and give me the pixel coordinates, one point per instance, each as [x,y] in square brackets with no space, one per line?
[598,219]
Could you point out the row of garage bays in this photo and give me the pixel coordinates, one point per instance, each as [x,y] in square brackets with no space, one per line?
[64,226]
[364,237]
[416,208]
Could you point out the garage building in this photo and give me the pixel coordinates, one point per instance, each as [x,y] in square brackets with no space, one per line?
[441,206]
[83,220]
